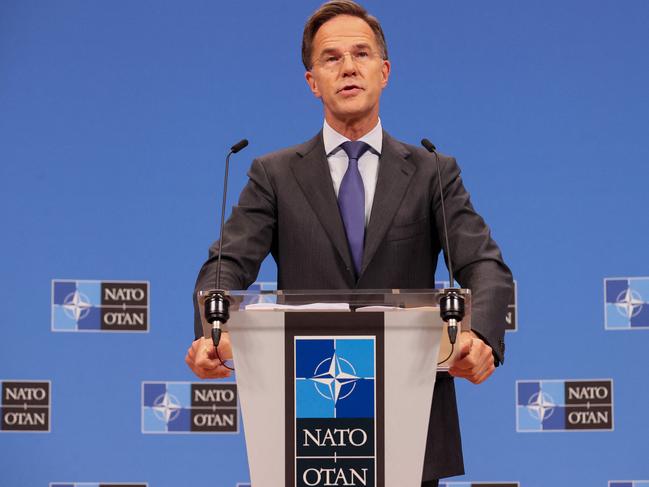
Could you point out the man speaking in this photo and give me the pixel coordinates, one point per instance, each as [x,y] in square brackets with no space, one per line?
[353,208]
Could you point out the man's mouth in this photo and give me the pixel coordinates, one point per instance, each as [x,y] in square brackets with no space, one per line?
[349,90]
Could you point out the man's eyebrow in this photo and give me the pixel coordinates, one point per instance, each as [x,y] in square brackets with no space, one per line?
[330,50]
[334,50]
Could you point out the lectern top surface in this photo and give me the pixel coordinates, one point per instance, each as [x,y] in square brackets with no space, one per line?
[355,298]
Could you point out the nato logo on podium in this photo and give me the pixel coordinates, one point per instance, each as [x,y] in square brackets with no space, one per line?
[335,410]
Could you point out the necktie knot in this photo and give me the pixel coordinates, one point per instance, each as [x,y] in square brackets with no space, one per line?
[355,149]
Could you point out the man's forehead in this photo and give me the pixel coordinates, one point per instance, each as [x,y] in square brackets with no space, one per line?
[344,31]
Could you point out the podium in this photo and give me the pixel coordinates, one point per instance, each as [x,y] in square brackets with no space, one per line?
[336,387]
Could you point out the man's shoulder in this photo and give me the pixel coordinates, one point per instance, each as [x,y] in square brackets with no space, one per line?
[415,153]
[287,154]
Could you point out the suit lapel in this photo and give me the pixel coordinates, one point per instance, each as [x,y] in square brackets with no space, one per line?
[312,173]
[395,172]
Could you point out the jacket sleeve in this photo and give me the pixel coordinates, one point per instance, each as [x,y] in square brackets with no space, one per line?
[477,261]
[248,237]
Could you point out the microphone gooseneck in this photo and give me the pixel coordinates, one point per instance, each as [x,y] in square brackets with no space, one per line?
[216,306]
[233,150]
[451,304]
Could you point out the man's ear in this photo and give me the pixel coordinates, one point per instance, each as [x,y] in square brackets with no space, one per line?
[313,86]
[385,71]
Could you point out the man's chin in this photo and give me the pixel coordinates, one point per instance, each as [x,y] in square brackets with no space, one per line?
[350,119]
[352,108]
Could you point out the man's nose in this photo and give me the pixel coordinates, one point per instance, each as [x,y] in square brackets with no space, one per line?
[348,64]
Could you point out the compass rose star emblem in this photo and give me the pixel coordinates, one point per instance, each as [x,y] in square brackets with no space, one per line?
[166,407]
[541,406]
[76,305]
[334,378]
[629,303]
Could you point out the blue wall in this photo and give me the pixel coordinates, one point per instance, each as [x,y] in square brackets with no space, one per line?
[114,121]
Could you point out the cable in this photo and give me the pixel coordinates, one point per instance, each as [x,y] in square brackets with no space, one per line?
[222,361]
[449,355]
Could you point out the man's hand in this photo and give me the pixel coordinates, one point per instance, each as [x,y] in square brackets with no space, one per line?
[475,360]
[201,358]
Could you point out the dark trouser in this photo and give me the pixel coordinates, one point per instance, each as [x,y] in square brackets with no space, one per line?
[430,483]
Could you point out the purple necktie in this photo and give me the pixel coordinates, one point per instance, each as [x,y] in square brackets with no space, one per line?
[351,201]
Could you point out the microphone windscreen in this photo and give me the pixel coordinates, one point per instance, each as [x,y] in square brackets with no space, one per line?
[239,145]
[428,145]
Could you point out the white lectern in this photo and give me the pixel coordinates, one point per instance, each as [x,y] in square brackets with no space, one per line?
[336,386]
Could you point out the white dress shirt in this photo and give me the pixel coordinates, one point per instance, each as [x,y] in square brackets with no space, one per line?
[368,164]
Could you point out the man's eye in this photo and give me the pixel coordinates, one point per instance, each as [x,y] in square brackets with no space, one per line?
[331,59]
[362,54]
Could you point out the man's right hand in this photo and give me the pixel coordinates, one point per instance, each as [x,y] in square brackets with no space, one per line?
[201,358]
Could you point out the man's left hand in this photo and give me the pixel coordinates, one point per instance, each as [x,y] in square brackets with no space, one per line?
[475,360]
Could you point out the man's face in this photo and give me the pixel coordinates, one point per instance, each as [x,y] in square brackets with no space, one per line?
[348,72]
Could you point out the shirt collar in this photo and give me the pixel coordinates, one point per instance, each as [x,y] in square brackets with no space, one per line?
[332,139]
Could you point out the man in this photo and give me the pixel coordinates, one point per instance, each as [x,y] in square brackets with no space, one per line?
[337,214]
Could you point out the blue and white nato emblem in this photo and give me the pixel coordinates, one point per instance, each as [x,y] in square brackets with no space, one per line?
[628,483]
[189,407]
[479,484]
[335,411]
[100,306]
[99,484]
[626,303]
[564,405]
[25,406]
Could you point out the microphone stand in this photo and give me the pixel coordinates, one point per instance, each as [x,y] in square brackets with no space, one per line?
[451,304]
[216,306]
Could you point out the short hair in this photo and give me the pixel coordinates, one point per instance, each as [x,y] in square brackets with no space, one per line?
[328,11]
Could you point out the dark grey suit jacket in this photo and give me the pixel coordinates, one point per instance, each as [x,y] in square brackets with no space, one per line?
[289,208]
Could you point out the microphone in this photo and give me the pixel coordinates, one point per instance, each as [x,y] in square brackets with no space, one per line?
[242,144]
[216,306]
[451,304]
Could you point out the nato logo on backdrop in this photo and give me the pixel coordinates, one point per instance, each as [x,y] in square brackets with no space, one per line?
[564,405]
[626,303]
[26,406]
[97,484]
[335,411]
[79,305]
[628,483]
[189,407]
[479,484]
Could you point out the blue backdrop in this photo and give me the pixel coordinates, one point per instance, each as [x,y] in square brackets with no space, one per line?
[114,121]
